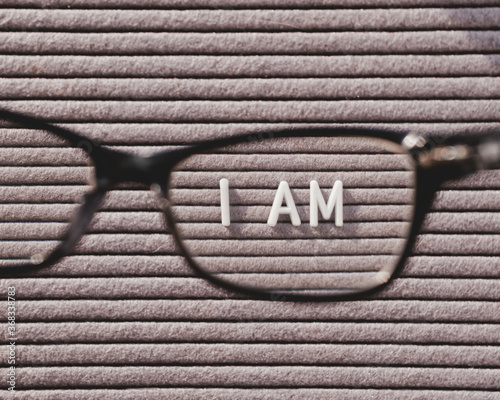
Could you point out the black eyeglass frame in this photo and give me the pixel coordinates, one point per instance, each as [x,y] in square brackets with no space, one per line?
[437,160]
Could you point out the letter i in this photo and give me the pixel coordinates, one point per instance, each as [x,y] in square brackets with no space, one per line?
[224,202]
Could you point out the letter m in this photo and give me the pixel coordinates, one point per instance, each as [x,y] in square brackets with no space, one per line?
[335,201]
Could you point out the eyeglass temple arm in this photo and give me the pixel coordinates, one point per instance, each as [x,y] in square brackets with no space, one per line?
[488,152]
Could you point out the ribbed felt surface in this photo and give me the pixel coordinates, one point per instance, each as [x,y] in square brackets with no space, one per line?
[125,318]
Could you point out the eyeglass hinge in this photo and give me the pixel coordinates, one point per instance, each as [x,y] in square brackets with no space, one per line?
[430,153]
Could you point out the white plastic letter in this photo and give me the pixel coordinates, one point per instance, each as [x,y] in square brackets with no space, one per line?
[334,201]
[283,193]
[224,202]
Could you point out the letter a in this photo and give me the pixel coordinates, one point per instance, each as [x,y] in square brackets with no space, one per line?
[334,201]
[283,193]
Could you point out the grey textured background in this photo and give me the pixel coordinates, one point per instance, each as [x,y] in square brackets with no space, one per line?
[126,319]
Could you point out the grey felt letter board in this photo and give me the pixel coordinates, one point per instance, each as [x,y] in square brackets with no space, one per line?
[125,318]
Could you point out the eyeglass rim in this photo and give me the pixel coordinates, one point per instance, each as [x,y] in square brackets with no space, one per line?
[423,192]
[427,182]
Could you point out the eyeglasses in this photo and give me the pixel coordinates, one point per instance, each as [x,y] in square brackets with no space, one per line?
[302,214]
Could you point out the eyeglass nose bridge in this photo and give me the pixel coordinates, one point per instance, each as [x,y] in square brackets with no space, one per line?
[112,168]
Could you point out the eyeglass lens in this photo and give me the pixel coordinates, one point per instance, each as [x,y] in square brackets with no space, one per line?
[301,215]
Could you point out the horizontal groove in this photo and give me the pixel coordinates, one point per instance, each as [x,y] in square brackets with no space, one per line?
[279,28]
[246,393]
[450,42]
[470,88]
[260,319]
[236,66]
[485,53]
[263,111]
[250,4]
[259,332]
[256,365]
[250,20]
[259,354]
[264,97]
[249,394]
[82,377]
